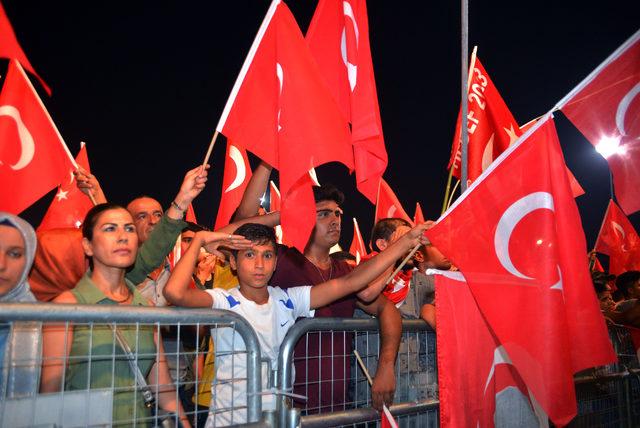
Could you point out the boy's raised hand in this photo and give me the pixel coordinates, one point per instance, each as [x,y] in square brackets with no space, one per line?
[212,240]
[416,235]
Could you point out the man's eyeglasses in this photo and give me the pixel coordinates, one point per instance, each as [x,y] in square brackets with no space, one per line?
[325,213]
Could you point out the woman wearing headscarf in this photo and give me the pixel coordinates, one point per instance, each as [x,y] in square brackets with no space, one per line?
[20,342]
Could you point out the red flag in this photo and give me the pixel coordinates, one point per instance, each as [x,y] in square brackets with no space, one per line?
[418,217]
[516,233]
[619,240]
[338,38]
[576,188]
[281,110]
[607,112]
[70,205]
[388,205]
[33,157]
[190,215]
[490,125]
[597,266]
[357,248]
[476,378]
[10,48]
[237,172]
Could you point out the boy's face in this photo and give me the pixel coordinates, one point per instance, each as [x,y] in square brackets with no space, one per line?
[255,266]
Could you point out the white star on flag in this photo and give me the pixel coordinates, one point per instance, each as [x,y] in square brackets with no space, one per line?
[513,137]
[62,194]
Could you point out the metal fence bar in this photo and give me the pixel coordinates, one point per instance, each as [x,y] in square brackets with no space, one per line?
[108,314]
[286,366]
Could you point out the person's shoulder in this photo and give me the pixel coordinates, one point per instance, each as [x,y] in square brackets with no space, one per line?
[65,297]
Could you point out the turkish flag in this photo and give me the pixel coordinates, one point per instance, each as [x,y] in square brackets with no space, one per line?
[237,173]
[388,205]
[33,157]
[477,380]
[516,235]
[619,240]
[338,38]
[10,48]
[70,205]
[490,125]
[418,217]
[608,107]
[357,248]
[281,110]
[576,188]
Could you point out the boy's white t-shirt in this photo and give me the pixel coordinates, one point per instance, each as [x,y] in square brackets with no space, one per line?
[271,321]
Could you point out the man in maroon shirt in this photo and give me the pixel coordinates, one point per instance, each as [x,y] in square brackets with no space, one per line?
[325,381]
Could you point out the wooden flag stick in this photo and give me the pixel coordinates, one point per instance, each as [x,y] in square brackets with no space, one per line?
[404,262]
[385,409]
[453,192]
[213,141]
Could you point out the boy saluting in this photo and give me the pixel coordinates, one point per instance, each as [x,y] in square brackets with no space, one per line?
[271,311]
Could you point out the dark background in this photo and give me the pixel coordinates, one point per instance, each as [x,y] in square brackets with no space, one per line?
[143,83]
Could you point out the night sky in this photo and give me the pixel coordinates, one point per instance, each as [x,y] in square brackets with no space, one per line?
[143,84]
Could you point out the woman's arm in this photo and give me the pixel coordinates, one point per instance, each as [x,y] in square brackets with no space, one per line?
[56,346]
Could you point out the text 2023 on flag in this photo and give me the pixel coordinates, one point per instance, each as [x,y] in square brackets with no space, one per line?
[607,111]
[338,38]
[281,110]
[490,125]
[516,235]
[33,157]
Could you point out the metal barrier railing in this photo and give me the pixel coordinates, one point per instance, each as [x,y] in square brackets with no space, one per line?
[416,377]
[607,396]
[91,405]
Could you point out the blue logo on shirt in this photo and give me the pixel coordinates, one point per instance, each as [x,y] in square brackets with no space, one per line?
[284,323]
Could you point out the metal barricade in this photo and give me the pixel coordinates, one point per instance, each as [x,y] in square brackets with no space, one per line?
[609,396]
[327,344]
[96,404]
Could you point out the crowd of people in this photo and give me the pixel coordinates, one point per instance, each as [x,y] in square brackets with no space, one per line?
[124,256]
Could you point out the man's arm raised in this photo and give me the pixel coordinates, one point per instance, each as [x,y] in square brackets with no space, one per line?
[330,291]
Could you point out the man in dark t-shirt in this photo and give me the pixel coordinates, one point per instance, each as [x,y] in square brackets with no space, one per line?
[325,381]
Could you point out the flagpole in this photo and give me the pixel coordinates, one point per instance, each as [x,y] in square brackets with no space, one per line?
[401,265]
[447,193]
[208,155]
[623,47]
[385,409]
[464,76]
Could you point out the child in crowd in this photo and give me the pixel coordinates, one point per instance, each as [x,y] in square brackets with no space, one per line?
[271,311]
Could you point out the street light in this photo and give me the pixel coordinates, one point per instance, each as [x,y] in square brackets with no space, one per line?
[609,146]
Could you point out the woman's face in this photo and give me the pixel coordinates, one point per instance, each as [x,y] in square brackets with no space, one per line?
[12,258]
[115,241]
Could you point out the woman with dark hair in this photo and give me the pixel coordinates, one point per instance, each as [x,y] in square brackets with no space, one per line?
[111,243]
[20,344]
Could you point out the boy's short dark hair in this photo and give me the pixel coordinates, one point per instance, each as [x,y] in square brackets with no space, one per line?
[384,229]
[193,227]
[328,192]
[625,280]
[257,233]
[343,255]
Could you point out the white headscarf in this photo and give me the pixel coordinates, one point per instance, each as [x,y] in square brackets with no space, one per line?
[21,292]
[20,374]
